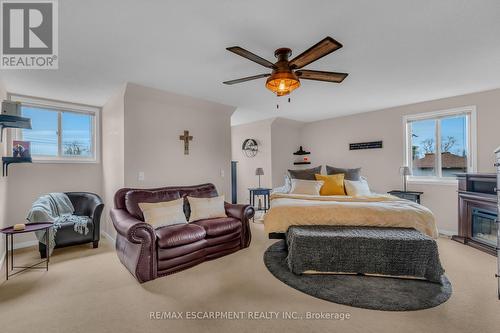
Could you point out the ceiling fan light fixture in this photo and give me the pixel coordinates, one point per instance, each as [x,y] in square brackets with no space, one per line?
[282,83]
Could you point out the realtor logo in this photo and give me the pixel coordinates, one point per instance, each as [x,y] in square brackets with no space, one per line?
[29,34]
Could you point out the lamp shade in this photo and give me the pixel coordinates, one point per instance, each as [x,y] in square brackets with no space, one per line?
[259,172]
[405,171]
[282,83]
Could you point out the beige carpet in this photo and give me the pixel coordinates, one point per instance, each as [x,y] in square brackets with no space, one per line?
[89,290]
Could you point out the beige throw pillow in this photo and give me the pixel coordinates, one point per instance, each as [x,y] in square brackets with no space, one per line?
[163,213]
[206,208]
[357,188]
[309,187]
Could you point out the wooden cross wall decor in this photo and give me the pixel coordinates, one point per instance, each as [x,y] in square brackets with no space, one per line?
[186,138]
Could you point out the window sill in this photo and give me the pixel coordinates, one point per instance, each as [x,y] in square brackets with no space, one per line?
[433,181]
[63,161]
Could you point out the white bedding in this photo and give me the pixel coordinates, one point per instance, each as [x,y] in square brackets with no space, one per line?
[374,210]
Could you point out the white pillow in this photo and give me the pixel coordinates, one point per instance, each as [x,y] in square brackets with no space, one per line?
[206,208]
[309,187]
[285,188]
[288,184]
[357,188]
[163,213]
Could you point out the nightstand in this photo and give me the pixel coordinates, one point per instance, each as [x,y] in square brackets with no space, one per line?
[257,192]
[408,195]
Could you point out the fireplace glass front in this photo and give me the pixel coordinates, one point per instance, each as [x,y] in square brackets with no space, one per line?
[484,226]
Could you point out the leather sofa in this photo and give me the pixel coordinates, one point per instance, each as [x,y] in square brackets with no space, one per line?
[149,253]
[85,204]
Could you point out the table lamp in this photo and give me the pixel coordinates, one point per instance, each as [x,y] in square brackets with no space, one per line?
[259,172]
[405,171]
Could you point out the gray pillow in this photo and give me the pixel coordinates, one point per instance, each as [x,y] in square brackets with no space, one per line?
[349,174]
[306,174]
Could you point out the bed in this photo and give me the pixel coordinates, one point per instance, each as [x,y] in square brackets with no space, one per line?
[375,210]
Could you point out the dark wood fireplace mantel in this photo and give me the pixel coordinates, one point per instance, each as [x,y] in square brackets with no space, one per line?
[476,193]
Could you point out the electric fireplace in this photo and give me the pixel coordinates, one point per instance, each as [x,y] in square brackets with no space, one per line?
[477,211]
[484,226]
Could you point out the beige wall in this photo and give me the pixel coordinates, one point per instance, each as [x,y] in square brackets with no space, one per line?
[113,154]
[154,120]
[26,182]
[140,132]
[328,140]
[246,178]
[3,184]
[278,138]
[285,137]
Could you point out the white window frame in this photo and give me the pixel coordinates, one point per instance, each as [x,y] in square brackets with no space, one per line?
[471,139]
[61,106]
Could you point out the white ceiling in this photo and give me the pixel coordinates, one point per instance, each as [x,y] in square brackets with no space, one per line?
[396,51]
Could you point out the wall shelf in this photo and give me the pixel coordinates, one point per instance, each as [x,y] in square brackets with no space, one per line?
[7,121]
[302,152]
[6,161]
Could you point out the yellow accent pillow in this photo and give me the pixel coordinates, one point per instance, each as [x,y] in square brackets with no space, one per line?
[334,184]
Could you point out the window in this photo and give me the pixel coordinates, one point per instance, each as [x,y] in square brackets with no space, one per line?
[441,144]
[60,131]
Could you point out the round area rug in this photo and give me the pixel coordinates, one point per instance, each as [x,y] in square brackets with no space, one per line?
[368,292]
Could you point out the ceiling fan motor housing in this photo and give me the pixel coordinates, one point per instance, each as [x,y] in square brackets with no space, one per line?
[282,80]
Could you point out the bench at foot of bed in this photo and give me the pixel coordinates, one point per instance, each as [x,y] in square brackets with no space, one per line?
[363,250]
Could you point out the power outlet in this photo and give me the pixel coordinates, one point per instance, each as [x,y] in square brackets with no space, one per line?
[140,176]
[222,173]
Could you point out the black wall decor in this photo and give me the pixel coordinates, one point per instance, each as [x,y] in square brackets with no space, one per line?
[302,152]
[250,147]
[365,145]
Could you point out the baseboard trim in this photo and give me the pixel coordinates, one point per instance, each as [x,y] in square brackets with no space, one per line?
[108,237]
[20,245]
[446,233]
[25,244]
[1,262]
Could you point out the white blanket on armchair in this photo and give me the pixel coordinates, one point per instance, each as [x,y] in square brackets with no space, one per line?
[58,209]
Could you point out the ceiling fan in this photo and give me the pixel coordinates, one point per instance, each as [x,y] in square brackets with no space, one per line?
[286,74]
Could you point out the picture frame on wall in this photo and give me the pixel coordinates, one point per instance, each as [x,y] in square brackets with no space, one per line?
[21,149]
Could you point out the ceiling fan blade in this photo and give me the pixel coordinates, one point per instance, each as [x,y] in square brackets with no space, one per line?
[248,78]
[250,56]
[321,76]
[315,52]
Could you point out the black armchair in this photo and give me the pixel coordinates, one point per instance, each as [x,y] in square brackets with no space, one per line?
[85,204]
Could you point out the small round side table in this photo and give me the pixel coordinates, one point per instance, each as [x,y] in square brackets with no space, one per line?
[30,227]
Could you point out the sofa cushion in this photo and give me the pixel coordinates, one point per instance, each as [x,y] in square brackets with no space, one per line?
[219,226]
[174,252]
[193,257]
[212,241]
[66,234]
[134,197]
[180,234]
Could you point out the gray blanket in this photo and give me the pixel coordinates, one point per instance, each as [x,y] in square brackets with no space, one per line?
[58,209]
[385,251]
